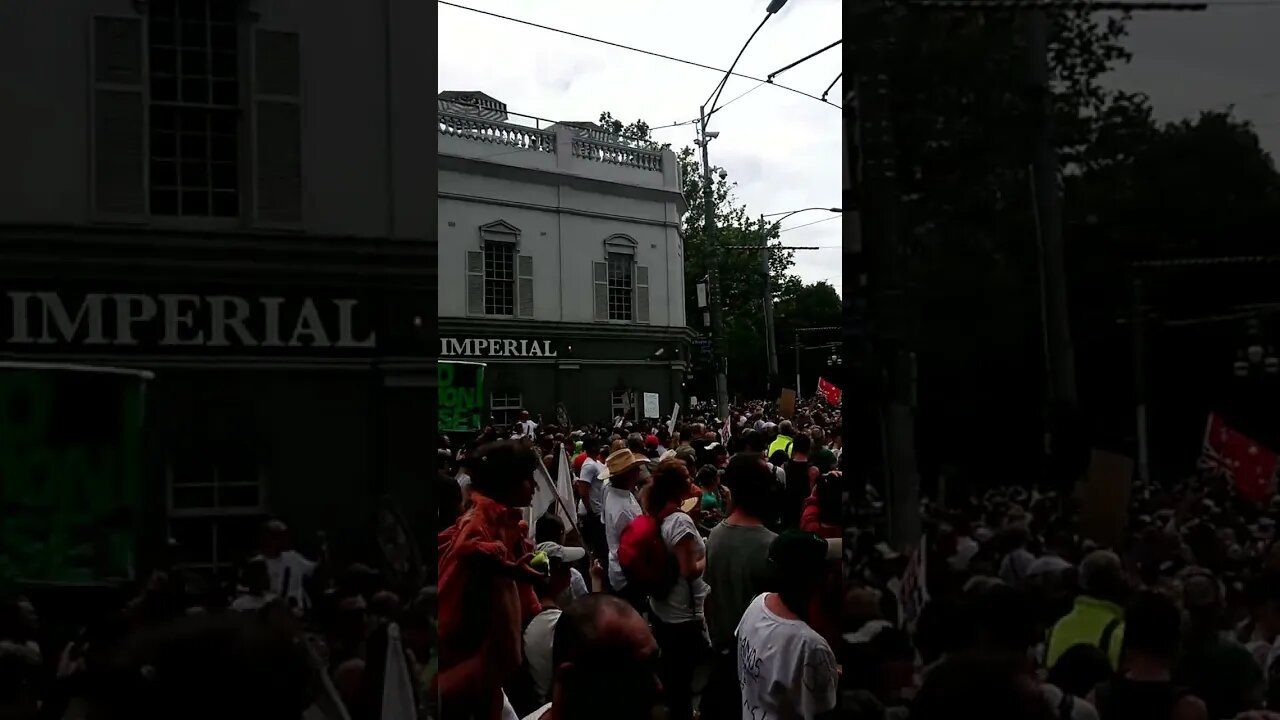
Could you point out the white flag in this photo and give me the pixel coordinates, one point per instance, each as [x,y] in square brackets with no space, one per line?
[564,489]
[327,705]
[545,499]
[397,687]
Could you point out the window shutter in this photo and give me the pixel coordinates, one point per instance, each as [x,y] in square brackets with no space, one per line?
[119,150]
[600,272]
[524,285]
[277,127]
[475,282]
[642,293]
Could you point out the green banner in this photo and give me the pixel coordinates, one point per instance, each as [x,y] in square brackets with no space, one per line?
[70,473]
[461,399]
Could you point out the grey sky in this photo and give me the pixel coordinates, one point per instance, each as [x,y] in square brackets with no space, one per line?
[1186,62]
[783,150]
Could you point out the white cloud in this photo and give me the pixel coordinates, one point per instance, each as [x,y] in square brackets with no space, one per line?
[782,149]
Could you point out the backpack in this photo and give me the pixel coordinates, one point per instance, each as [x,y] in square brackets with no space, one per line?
[644,558]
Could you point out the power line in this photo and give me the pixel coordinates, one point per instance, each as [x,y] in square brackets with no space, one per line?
[815,222]
[739,97]
[632,49]
[715,94]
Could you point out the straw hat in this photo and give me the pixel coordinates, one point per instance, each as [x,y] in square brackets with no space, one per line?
[620,461]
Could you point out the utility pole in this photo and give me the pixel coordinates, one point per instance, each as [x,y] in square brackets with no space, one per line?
[766,230]
[712,255]
[770,342]
[1140,378]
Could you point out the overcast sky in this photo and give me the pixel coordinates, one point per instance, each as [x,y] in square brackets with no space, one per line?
[1226,55]
[783,150]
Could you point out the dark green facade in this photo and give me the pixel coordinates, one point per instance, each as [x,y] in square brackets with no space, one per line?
[580,365]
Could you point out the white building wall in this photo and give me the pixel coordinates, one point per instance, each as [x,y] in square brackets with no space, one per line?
[565,207]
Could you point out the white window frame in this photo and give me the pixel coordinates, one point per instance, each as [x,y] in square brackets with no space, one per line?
[236,111]
[513,281]
[621,245]
[619,403]
[176,514]
[505,407]
[501,233]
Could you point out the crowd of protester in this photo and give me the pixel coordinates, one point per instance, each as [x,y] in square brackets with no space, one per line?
[290,637]
[695,572]
[1023,617]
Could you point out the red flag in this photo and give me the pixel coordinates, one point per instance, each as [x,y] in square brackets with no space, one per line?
[829,391]
[1229,454]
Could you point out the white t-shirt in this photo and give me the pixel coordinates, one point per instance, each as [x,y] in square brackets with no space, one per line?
[785,669]
[297,568]
[620,508]
[538,638]
[528,428]
[590,475]
[678,606]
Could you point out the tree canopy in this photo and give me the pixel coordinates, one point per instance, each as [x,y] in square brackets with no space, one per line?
[742,286]
[961,113]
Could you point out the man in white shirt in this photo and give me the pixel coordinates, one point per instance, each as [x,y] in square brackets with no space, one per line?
[620,508]
[541,629]
[287,569]
[785,668]
[590,487]
[528,428]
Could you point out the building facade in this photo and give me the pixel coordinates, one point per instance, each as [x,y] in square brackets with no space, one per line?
[187,191]
[561,263]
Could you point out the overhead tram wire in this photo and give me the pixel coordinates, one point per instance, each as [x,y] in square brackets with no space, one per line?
[811,55]
[815,222]
[715,94]
[833,84]
[633,49]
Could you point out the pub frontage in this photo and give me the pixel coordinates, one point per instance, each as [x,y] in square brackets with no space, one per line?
[592,371]
[292,377]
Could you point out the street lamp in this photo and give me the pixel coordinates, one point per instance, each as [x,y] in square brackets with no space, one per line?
[770,342]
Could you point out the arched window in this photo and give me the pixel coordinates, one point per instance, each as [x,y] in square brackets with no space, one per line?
[621,285]
[499,280]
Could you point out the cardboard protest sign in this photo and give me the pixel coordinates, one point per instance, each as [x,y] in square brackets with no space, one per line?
[651,406]
[1104,498]
[787,404]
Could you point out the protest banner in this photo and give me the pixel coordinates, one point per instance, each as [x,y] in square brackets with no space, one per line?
[460,389]
[70,472]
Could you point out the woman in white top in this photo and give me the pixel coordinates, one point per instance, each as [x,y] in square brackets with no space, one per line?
[679,625]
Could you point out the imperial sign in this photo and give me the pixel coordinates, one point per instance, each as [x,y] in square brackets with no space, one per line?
[495,347]
[210,321]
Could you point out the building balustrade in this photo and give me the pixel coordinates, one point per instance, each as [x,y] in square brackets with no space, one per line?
[589,145]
